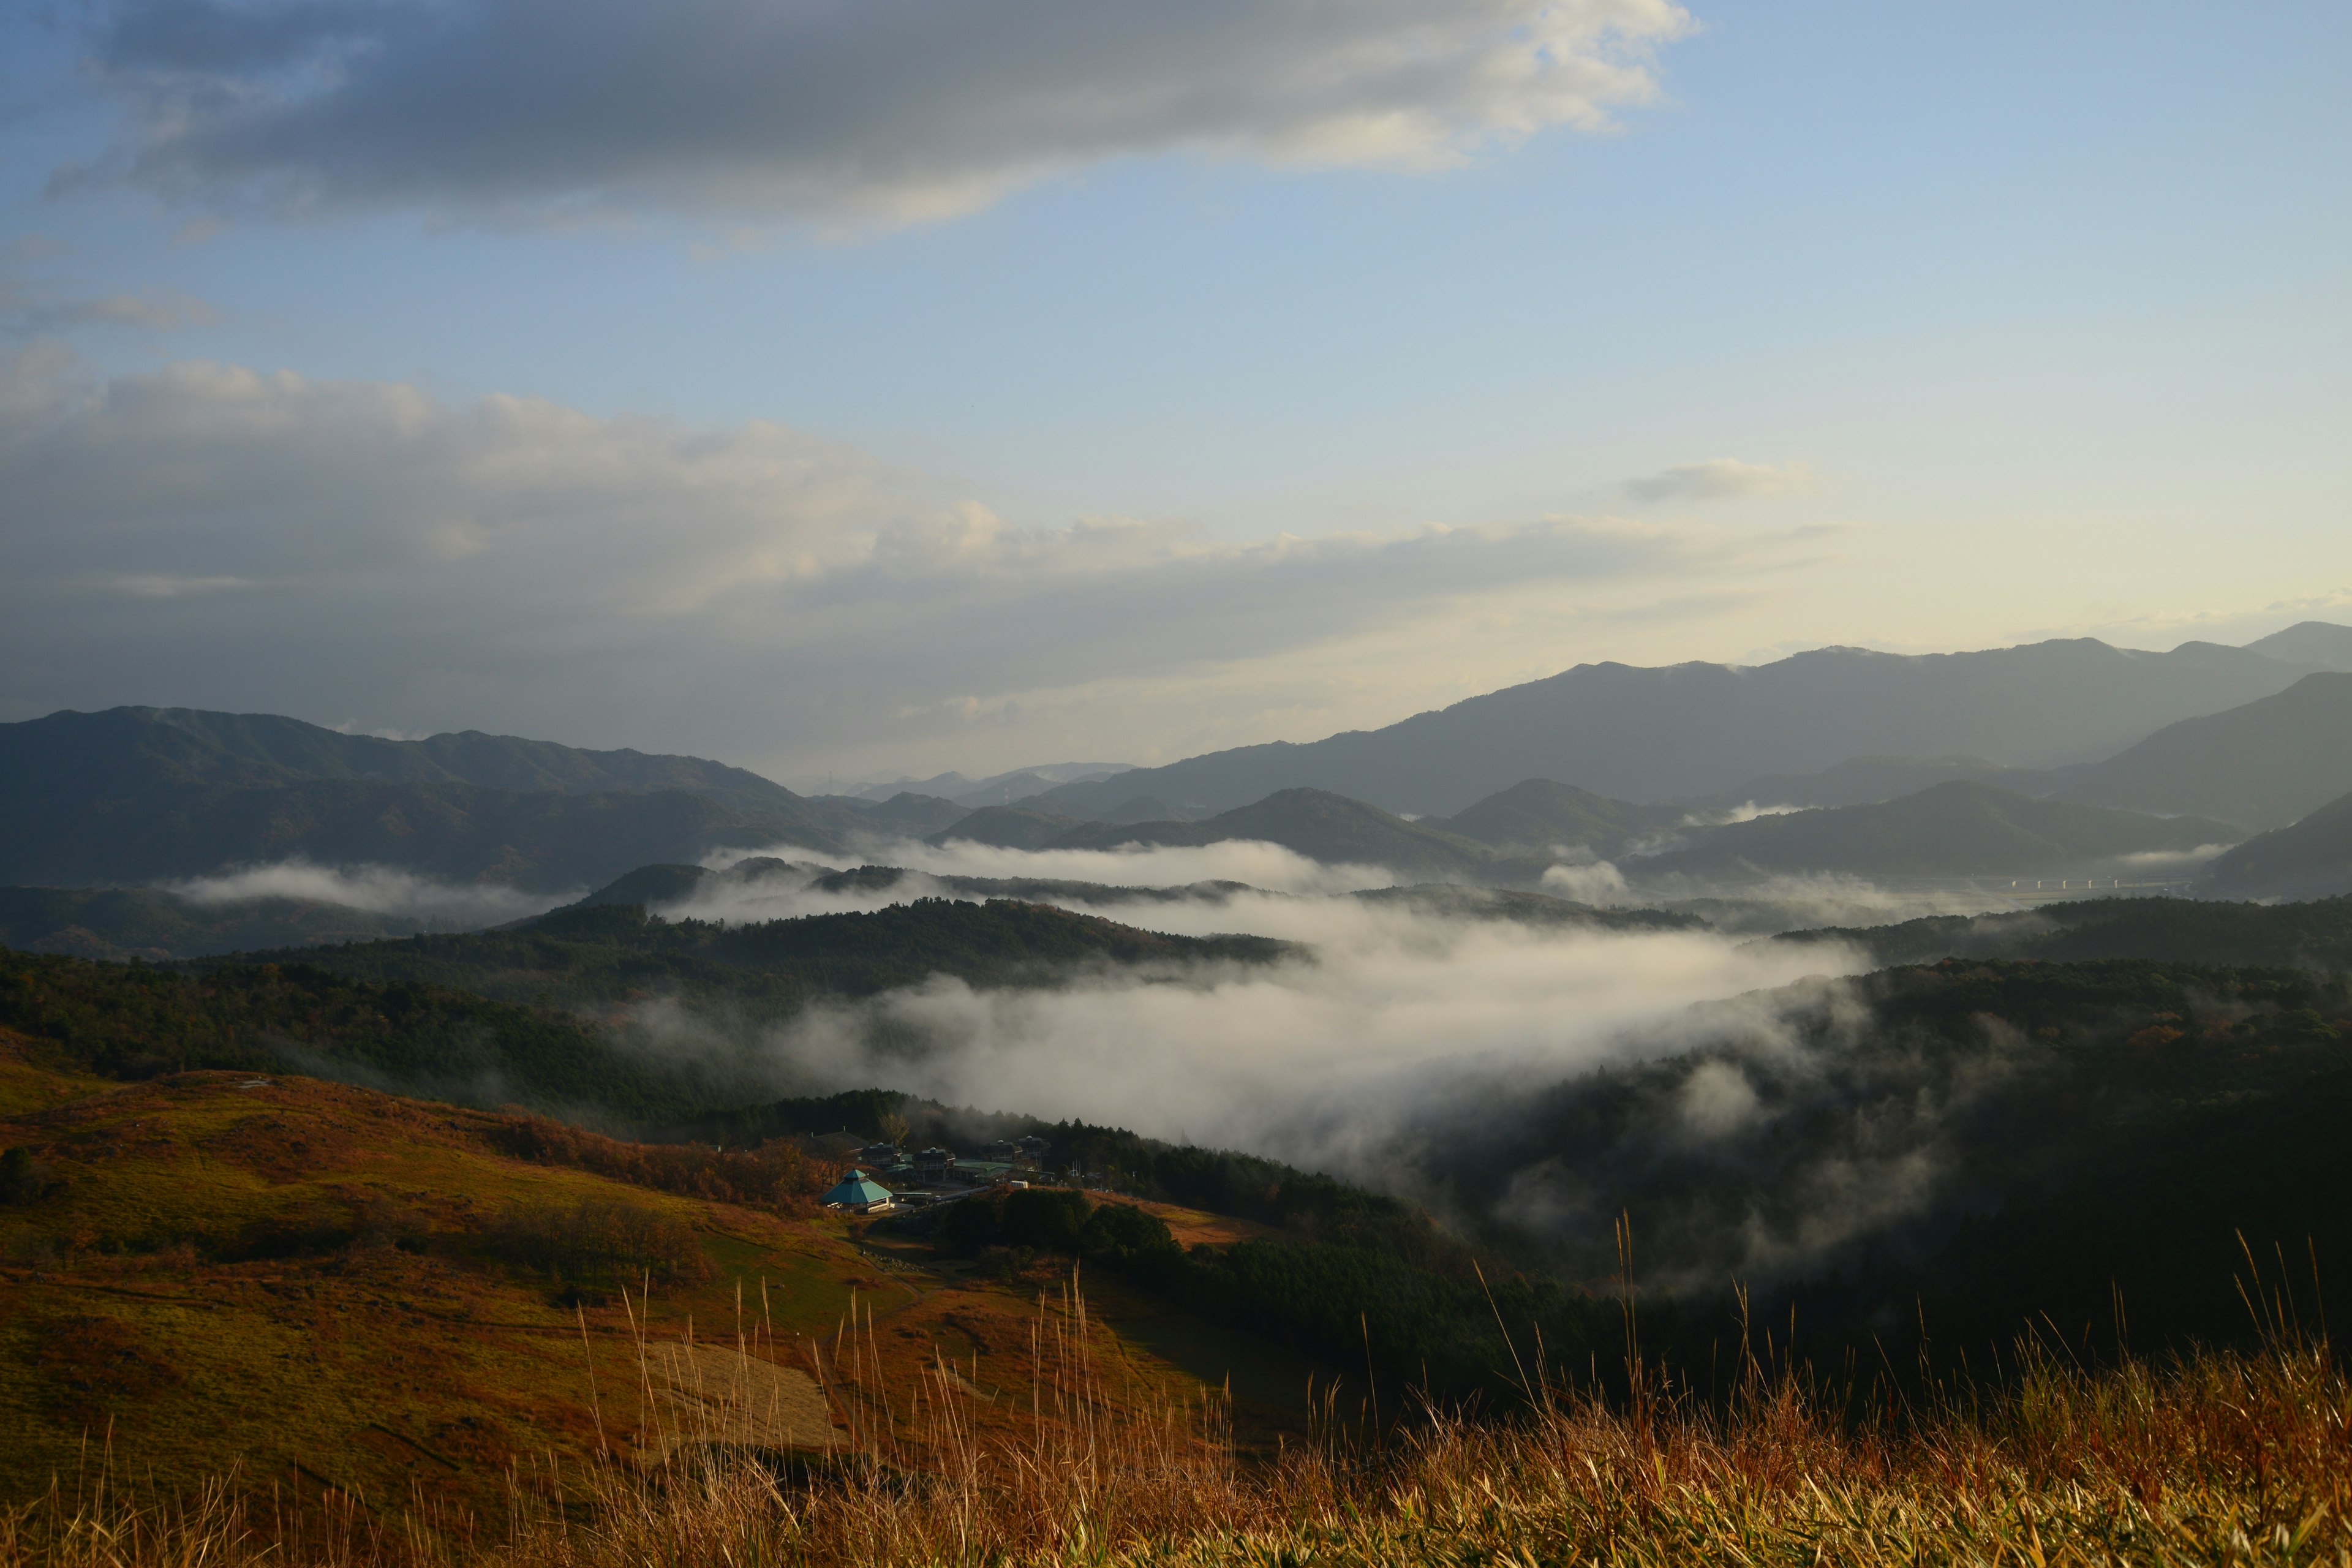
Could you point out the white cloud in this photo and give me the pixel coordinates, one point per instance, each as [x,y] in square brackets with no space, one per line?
[1723,479]
[900,111]
[378,889]
[218,536]
[26,312]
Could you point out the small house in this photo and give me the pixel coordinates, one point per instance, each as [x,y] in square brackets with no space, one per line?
[859,1194]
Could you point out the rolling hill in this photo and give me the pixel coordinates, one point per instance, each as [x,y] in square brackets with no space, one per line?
[2311,859]
[2267,764]
[1693,729]
[1540,817]
[2321,643]
[121,923]
[1323,827]
[1866,1126]
[1951,830]
[1006,828]
[2317,935]
[1865,781]
[142,795]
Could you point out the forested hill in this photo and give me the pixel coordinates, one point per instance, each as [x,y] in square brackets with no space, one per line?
[511,1015]
[2317,935]
[1873,1125]
[144,794]
[1950,830]
[604,953]
[139,1021]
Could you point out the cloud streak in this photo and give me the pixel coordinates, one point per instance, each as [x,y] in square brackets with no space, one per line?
[263,541]
[1723,479]
[378,889]
[891,111]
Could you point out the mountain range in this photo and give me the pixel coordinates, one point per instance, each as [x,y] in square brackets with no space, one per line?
[148,794]
[1951,830]
[1694,730]
[1602,761]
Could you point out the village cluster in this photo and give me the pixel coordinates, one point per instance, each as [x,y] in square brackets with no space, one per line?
[932,1175]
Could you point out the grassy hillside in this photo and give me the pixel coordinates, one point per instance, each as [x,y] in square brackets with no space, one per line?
[2263,765]
[2312,859]
[1952,830]
[334,1289]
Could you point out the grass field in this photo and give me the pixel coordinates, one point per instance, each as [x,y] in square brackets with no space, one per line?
[251,1319]
[337,1291]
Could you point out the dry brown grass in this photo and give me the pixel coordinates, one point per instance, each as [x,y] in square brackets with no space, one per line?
[2223,1457]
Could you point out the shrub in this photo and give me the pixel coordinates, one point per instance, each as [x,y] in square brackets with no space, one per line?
[598,1242]
[23,1179]
[1048,1219]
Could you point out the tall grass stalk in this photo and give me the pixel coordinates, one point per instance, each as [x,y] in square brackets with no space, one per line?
[2221,1458]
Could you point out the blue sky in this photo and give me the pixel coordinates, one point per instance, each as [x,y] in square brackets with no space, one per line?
[1993,322]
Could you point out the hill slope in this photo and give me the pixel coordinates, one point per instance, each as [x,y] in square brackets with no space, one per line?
[2265,765]
[1323,827]
[1005,827]
[2311,859]
[1538,816]
[138,794]
[147,922]
[1865,781]
[2321,643]
[2194,931]
[1952,830]
[1696,729]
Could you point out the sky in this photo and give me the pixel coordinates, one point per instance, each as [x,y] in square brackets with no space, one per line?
[857,390]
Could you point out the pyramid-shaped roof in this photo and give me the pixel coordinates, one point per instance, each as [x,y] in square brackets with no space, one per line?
[856,1188]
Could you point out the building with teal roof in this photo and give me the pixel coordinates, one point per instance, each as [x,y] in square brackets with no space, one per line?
[859,1194]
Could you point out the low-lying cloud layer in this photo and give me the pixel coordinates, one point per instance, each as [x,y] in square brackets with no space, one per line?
[378,889]
[900,110]
[1319,1061]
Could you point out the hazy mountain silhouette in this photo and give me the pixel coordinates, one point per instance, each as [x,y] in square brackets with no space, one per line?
[144,794]
[1323,827]
[123,923]
[1862,780]
[1007,828]
[2309,642]
[2271,763]
[2311,859]
[1537,816]
[917,815]
[1690,730]
[1952,830]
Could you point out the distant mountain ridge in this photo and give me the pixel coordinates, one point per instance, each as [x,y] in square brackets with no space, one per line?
[147,795]
[2264,764]
[1650,735]
[2310,859]
[1952,829]
[1538,816]
[1323,827]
